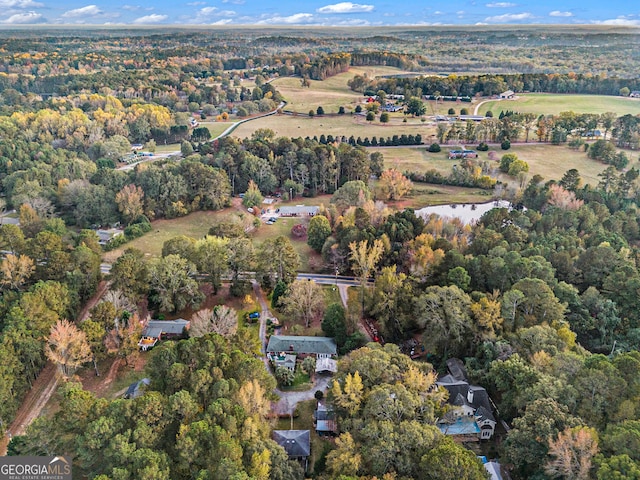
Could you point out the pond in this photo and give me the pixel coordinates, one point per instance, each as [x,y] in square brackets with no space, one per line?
[468,213]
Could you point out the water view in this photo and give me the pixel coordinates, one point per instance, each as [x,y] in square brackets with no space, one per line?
[468,213]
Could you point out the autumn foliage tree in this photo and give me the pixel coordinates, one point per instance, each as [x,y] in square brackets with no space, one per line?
[130,201]
[67,347]
[393,185]
[16,270]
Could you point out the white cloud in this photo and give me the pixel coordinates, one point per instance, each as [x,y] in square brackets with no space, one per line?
[460,12]
[558,13]
[88,11]
[509,17]
[500,5]
[296,18]
[20,4]
[131,8]
[438,12]
[618,21]
[196,4]
[153,18]
[24,18]
[207,11]
[346,7]
[235,2]
[223,21]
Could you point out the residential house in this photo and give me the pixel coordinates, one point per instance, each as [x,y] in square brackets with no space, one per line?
[321,347]
[157,330]
[298,211]
[635,94]
[474,118]
[106,235]
[509,94]
[297,444]
[324,419]
[471,416]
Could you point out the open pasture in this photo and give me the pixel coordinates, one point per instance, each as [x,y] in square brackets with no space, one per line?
[553,104]
[338,125]
[550,161]
[330,93]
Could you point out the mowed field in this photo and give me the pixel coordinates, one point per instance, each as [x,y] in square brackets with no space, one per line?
[552,104]
[330,93]
[338,125]
[550,161]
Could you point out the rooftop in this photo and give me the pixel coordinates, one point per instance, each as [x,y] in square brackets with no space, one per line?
[155,328]
[297,443]
[302,344]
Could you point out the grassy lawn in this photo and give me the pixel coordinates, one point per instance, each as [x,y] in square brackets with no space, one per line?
[216,128]
[551,104]
[347,125]
[304,421]
[331,295]
[283,227]
[172,147]
[550,161]
[330,93]
[300,383]
[194,225]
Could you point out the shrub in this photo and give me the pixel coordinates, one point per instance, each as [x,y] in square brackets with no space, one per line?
[505,145]
[434,148]
[299,230]
[483,147]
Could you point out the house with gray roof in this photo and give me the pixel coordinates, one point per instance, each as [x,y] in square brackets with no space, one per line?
[157,330]
[298,211]
[321,347]
[297,444]
[471,415]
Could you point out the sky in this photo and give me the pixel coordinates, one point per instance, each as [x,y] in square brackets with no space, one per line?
[327,13]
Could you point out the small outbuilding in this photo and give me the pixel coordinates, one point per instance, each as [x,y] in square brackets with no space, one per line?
[507,95]
[136,389]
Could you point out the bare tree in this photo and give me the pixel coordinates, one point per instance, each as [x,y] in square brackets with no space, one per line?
[221,319]
[304,301]
[572,453]
[67,347]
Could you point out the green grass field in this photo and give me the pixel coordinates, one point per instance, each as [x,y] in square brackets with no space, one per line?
[550,161]
[347,125]
[551,104]
[216,128]
[330,93]
[194,225]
